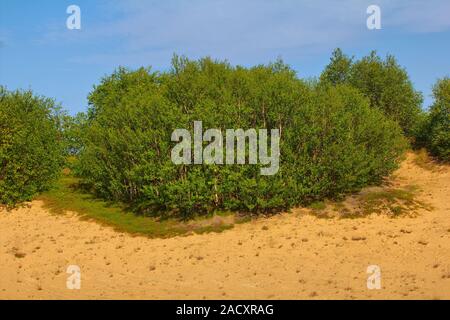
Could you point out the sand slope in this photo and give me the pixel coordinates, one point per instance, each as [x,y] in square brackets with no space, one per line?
[289,256]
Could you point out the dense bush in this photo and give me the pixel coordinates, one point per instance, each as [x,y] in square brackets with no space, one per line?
[384,82]
[73,128]
[332,142]
[31,148]
[437,127]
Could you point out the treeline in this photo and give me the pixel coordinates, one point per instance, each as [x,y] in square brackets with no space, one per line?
[339,133]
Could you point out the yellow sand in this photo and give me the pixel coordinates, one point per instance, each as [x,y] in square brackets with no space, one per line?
[295,255]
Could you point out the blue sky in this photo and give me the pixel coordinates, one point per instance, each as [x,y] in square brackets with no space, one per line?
[38,52]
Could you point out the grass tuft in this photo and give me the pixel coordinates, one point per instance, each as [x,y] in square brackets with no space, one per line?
[423,160]
[66,196]
[391,201]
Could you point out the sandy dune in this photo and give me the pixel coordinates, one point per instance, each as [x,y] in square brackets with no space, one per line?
[289,256]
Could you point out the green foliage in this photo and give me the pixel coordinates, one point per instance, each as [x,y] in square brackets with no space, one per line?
[31,147]
[384,82]
[65,195]
[73,131]
[332,142]
[338,70]
[436,130]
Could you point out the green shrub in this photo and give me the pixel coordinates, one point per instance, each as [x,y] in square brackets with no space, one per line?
[332,142]
[31,148]
[384,82]
[437,128]
[73,131]
[343,144]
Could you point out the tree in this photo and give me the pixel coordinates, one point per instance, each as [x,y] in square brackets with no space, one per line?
[339,68]
[383,82]
[73,131]
[31,145]
[438,126]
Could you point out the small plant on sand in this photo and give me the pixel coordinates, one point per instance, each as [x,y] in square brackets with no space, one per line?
[423,160]
[394,202]
[318,205]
